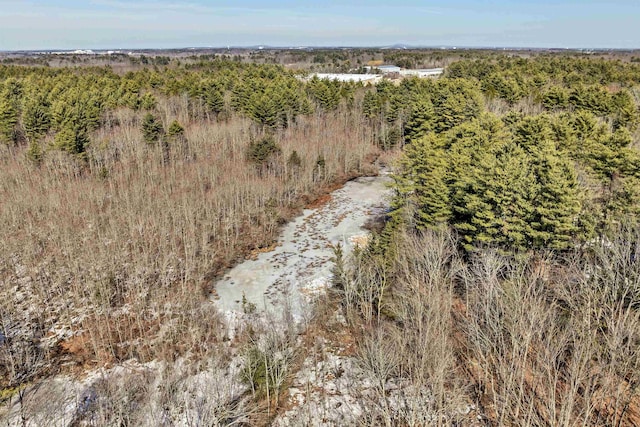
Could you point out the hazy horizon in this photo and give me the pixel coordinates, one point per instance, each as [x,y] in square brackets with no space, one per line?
[150,24]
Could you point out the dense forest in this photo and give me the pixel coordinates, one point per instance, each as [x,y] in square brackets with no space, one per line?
[504,278]
[508,271]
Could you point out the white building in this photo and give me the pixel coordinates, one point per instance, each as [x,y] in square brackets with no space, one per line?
[427,72]
[364,78]
[388,68]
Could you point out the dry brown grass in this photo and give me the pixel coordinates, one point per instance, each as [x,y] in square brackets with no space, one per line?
[122,249]
[401,313]
[529,339]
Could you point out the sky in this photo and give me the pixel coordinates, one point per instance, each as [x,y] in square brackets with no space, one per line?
[122,24]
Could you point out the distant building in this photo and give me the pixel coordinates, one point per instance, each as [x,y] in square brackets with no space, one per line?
[364,78]
[75,52]
[427,72]
[388,68]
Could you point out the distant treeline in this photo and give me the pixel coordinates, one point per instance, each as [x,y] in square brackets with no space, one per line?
[519,152]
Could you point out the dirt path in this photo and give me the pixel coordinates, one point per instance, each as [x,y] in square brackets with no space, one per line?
[300,265]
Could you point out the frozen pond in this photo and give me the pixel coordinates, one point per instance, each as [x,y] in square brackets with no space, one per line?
[300,265]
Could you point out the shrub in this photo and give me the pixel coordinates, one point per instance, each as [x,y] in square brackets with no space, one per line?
[263,151]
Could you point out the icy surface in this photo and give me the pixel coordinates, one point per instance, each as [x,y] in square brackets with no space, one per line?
[300,266]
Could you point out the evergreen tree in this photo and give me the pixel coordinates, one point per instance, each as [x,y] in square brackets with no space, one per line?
[325,92]
[533,133]
[421,189]
[557,204]
[455,102]
[493,202]
[370,105]
[73,141]
[175,138]
[175,130]
[152,130]
[214,98]
[262,151]
[241,95]
[8,121]
[36,117]
[393,109]
[625,112]
[622,199]
[294,164]
[264,110]
[305,106]
[294,161]
[35,152]
[420,120]
[556,98]
[148,101]
[584,124]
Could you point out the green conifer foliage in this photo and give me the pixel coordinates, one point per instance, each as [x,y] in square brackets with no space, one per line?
[175,140]
[262,151]
[496,185]
[370,105]
[624,111]
[35,153]
[213,95]
[420,120]
[175,130]
[493,204]
[152,129]
[73,141]
[8,121]
[325,92]
[264,110]
[421,187]
[455,102]
[148,101]
[36,117]
[558,203]
[294,164]
[556,98]
[534,133]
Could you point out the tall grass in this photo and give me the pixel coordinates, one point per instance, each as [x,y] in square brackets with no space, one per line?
[114,256]
[528,339]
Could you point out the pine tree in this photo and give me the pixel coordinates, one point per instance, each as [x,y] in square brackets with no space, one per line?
[8,121]
[370,105]
[264,111]
[262,151]
[534,134]
[557,204]
[241,95]
[421,189]
[214,98]
[325,92]
[294,162]
[152,130]
[624,110]
[420,120]
[35,152]
[36,117]
[455,102]
[148,102]
[497,206]
[556,98]
[304,107]
[584,124]
[73,141]
[176,130]
[393,109]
